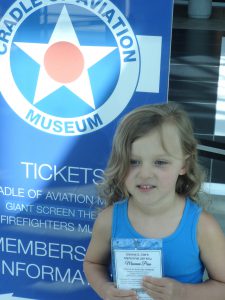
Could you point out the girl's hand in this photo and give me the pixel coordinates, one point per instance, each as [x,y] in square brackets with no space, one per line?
[163,288]
[112,293]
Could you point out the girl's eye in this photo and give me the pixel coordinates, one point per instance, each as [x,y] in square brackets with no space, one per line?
[135,162]
[161,163]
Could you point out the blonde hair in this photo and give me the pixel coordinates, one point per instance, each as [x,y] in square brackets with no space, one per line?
[138,123]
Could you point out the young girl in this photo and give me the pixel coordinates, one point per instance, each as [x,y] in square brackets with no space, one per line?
[151,185]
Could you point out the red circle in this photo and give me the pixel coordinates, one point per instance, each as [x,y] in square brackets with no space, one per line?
[64,62]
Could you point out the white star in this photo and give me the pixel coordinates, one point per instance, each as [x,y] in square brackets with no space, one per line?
[69,68]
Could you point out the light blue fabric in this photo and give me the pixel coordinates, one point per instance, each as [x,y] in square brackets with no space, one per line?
[181,259]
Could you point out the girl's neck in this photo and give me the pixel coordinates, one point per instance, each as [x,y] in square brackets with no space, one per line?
[156,222]
[157,209]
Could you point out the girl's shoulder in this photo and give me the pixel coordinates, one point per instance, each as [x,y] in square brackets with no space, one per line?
[104,218]
[108,210]
[212,246]
[209,230]
[105,212]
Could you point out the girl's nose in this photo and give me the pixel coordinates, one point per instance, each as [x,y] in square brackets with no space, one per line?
[146,171]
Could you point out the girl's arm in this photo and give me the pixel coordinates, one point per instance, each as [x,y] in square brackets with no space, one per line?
[211,241]
[212,250]
[97,260]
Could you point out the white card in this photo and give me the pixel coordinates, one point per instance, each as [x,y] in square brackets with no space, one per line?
[133,265]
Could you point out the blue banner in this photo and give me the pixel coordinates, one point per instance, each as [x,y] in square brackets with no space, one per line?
[69,70]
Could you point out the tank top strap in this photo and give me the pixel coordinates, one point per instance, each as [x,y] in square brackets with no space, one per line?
[119,214]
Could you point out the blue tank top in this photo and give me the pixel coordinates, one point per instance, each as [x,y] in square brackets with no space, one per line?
[180,251]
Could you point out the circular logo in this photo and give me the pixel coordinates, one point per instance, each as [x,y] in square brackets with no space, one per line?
[70,67]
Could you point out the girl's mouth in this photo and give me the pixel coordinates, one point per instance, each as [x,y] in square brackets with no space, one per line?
[145,187]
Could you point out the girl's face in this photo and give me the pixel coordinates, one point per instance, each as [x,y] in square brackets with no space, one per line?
[154,169]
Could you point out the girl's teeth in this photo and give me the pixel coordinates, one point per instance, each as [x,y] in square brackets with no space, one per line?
[145,186]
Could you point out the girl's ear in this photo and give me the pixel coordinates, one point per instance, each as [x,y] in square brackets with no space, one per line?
[185,166]
[183,171]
